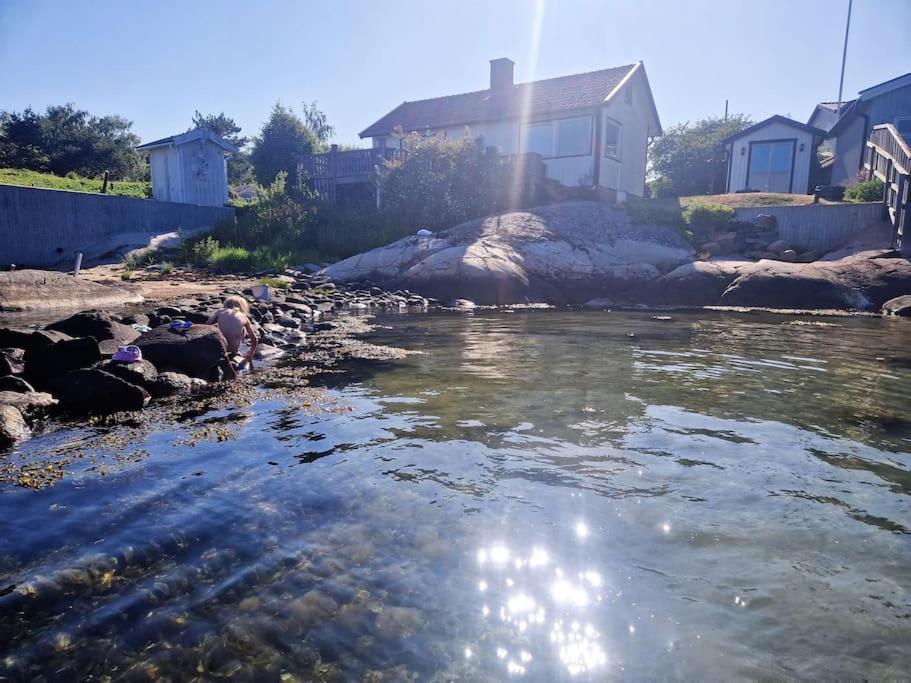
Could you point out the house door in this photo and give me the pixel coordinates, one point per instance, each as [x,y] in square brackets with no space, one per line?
[771,164]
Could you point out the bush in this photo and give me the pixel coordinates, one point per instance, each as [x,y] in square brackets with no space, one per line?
[865,191]
[167,268]
[202,252]
[708,217]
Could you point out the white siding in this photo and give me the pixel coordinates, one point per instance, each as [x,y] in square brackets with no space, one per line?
[848,147]
[628,173]
[740,155]
[205,180]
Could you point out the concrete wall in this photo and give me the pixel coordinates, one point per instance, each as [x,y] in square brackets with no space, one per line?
[41,227]
[817,226]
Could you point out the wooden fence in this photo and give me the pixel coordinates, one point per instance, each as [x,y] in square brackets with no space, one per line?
[819,227]
[888,157]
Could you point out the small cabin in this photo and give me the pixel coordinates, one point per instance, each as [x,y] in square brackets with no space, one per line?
[775,155]
[190,168]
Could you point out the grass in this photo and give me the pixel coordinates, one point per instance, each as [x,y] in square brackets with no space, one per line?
[274,282]
[167,268]
[14,176]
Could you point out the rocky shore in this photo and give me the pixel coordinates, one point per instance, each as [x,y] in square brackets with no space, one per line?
[65,368]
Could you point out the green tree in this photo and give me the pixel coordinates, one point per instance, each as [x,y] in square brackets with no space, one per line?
[318,122]
[686,159]
[284,139]
[240,168]
[65,139]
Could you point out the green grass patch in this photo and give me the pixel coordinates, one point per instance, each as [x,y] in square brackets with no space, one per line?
[15,176]
[274,282]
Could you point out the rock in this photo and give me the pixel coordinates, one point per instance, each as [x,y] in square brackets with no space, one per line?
[699,283]
[463,303]
[25,290]
[200,351]
[861,282]
[96,391]
[12,426]
[711,248]
[17,384]
[29,401]
[135,319]
[29,339]
[563,253]
[171,383]
[97,324]
[43,364]
[12,362]
[788,255]
[900,306]
[142,373]
[777,247]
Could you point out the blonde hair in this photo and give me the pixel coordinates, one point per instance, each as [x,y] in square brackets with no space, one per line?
[237,302]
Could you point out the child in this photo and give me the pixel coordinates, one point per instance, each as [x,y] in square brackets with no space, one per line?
[234,322]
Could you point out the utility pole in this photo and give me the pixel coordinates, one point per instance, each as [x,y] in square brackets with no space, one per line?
[844,57]
[725,110]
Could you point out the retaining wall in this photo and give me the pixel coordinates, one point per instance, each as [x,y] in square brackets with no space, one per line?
[817,226]
[40,227]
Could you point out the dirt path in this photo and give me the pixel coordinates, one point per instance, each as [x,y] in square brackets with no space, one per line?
[154,286]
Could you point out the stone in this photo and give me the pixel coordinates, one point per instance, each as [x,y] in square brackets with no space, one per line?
[29,339]
[200,351]
[44,364]
[97,324]
[568,252]
[711,248]
[777,247]
[29,401]
[12,362]
[17,384]
[899,306]
[698,283]
[141,373]
[862,282]
[26,290]
[95,391]
[788,255]
[12,426]
[175,383]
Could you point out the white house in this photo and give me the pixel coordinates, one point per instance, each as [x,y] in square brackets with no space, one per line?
[775,155]
[190,168]
[591,129]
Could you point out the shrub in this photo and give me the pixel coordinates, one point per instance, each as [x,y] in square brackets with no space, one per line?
[708,217]
[167,268]
[274,282]
[865,191]
[127,274]
[202,253]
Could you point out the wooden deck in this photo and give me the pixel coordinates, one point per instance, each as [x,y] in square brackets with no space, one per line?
[888,157]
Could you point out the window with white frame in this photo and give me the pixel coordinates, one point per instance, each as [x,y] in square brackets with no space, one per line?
[558,138]
[613,134]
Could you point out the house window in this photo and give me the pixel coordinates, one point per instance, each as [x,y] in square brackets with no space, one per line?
[558,138]
[612,134]
[770,165]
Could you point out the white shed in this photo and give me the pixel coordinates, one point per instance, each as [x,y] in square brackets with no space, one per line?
[190,168]
[775,155]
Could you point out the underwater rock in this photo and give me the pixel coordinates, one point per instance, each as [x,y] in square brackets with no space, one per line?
[311,608]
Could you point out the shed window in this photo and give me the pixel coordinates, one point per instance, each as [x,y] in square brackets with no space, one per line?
[770,165]
[612,134]
[559,138]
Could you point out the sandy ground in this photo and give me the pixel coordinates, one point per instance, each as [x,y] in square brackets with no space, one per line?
[156,287]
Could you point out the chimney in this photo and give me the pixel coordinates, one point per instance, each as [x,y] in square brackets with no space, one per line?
[501,73]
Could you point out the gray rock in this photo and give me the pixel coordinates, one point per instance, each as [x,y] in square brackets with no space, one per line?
[174,383]
[12,426]
[142,373]
[29,339]
[12,362]
[900,306]
[97,324]
[44,364]
[23,290]
[27,402]
[13,383]
[777,247]
[96,391]
[200,351]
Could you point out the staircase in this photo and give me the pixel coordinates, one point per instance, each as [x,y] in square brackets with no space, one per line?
[888,157]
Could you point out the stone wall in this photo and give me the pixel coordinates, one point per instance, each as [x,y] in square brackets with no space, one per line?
[40,227]
[818,227]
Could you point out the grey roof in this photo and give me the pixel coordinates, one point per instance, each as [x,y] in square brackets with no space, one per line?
[183,138]
[776,119]
[536,97]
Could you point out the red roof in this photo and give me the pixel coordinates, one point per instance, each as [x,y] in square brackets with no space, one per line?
[537,97]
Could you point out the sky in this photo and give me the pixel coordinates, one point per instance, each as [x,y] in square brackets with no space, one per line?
[157,62]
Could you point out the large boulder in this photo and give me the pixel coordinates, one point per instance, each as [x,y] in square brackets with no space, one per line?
[141,373]
[563,253]
[13,383]
[12,362]
[97,324]
[175,383]
[44,364]
[29,339]
[95,391]
[29,401]
[860,282]
[200,351]
[12,426]
[900,306]
[25,290]
[698,283]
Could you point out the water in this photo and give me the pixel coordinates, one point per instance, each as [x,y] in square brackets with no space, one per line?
[536,496]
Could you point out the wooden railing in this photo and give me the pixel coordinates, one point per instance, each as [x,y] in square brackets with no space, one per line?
[888,157]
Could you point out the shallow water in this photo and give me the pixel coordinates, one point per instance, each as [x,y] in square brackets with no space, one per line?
[537,495]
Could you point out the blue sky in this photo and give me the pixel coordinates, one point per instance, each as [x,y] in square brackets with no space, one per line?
[157,62]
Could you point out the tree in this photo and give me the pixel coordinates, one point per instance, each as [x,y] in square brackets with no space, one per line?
[284,139]
[239,165]
[65,139]
[318,122]
[685,159]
